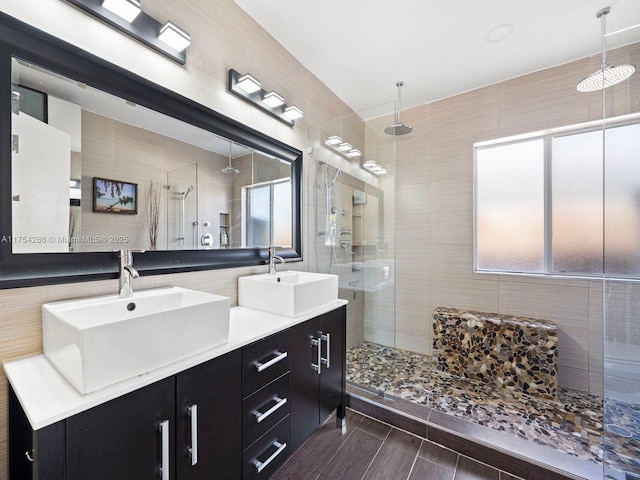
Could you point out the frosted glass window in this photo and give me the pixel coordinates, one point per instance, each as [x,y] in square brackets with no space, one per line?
[258,215]
[510,221]
[282,213]
[622,201]
[576,199]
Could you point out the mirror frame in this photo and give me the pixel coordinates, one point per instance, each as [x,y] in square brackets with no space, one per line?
[23,41]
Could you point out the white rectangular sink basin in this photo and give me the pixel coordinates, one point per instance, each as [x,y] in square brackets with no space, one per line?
[290,294]
[96,342]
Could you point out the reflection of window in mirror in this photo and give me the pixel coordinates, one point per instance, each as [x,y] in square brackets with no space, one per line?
[70,133]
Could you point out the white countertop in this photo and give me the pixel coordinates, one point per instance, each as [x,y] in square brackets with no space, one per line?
[47,397]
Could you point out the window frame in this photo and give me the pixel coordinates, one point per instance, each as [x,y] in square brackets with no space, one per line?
[547,136]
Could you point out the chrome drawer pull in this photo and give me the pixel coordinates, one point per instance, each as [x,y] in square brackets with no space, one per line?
[327,338]
[261,416]
[317,367]
[164,466]
[193,450]
[263,366]
[260,465]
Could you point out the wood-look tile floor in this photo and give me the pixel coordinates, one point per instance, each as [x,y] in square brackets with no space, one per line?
[369,450]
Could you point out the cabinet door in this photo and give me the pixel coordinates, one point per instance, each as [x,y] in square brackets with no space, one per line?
[305,380]
[209,444]
[333,344]
[33,455]
[123,438]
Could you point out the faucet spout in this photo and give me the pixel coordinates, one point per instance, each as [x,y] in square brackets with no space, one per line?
[273,259]
[127,273]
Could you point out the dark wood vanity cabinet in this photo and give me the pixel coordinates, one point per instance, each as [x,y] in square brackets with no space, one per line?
[318,364]
[138,434]
[237,416]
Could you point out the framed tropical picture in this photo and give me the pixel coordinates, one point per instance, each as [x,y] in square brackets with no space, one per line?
[114,196]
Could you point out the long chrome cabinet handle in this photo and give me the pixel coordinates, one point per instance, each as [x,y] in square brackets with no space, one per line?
[193,450]
[262,465]
[327,338]
[279,356]
[164,465]
[317,367]
[261,416]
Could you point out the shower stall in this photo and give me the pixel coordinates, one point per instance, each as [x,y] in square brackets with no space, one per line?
[182,208]
[418,212]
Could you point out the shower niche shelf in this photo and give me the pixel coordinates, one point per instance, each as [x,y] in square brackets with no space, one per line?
[224,230]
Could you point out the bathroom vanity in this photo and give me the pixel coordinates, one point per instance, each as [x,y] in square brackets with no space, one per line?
[235,411]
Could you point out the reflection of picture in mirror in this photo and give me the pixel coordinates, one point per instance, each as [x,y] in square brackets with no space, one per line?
[113,196]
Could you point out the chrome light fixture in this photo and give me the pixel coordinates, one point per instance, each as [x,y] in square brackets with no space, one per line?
[248,83]
[345,149]
[250,90]
[128,17]
[374,168]
[273,99]
[608,75]
[174,36]
[292,112]
[125,9]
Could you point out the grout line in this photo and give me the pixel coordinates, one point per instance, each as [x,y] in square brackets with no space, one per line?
[415,459]
[377,452]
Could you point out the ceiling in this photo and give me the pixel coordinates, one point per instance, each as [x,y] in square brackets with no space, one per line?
[361,48]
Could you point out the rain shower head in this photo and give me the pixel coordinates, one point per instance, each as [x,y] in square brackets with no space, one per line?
[398,128]
[229,169]
[608,75]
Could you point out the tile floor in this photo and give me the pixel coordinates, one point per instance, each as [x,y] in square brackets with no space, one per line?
[370,450]
[572,424]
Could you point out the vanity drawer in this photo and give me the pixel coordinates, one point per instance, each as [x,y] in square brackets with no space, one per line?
[263,458]
[264,361]
[264,409]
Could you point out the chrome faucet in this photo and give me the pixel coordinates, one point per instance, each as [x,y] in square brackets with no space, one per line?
[273,258]
[127,273]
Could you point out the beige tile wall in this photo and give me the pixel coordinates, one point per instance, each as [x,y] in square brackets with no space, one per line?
[435,204]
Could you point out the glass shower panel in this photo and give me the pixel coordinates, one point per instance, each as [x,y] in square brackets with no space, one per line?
[351,223]
[621,291]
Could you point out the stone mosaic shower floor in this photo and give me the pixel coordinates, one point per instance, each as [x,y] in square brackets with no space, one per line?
[572,423]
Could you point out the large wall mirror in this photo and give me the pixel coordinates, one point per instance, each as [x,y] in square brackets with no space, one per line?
[97,160]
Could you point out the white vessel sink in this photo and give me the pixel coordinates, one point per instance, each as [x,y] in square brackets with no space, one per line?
[290,294]
[98,341]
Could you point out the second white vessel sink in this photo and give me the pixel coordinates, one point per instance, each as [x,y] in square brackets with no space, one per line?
[98,341]
[290,294]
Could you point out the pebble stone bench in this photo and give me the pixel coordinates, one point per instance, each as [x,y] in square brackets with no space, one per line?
[516,353]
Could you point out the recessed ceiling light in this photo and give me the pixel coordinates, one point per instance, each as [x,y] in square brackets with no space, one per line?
[499,33]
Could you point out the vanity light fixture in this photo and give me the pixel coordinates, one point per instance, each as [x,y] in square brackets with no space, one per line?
[174,36]
[128,17]
[293,112]
[249,83]
[126,9]
[273,99]
[335,143]
[374,168]
[250,90]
